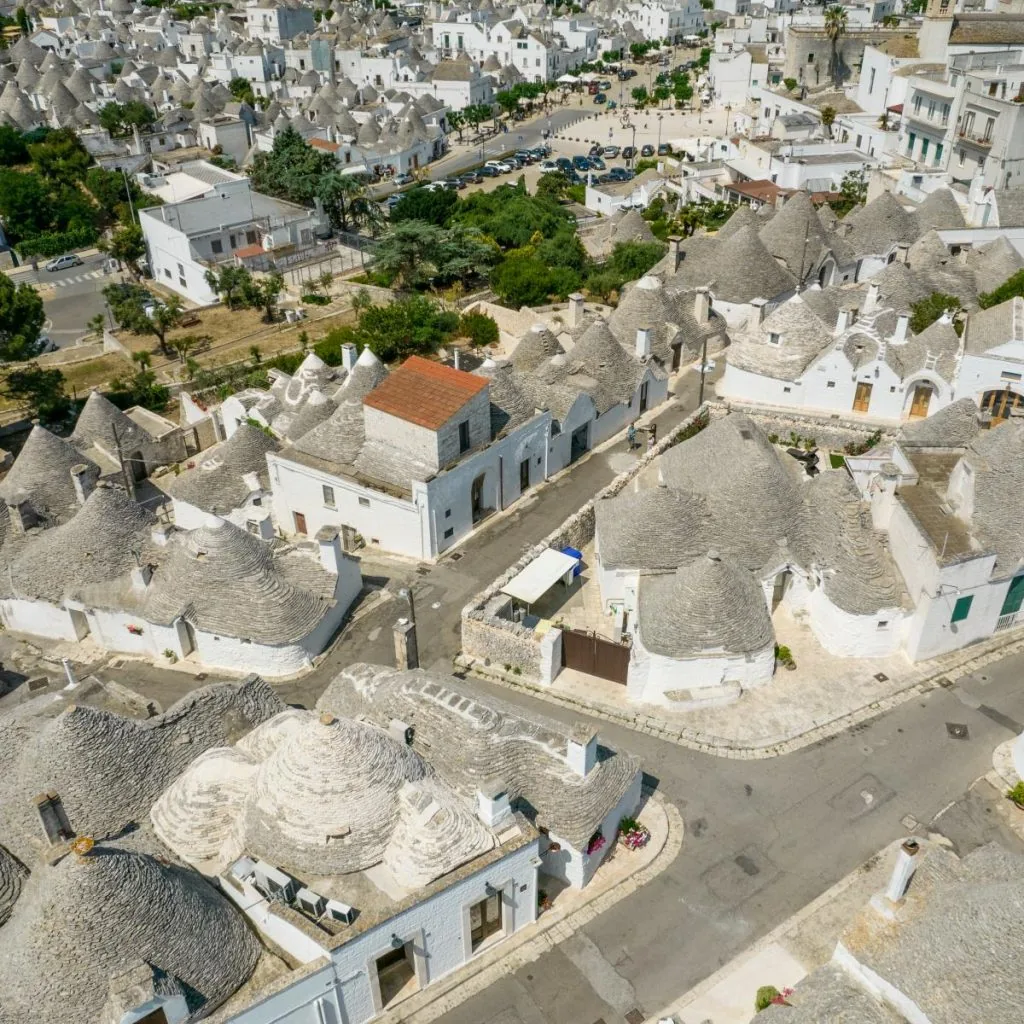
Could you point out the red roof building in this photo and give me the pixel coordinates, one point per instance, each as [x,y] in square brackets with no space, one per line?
[426,393]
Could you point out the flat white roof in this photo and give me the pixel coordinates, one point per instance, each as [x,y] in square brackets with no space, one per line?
[539,576]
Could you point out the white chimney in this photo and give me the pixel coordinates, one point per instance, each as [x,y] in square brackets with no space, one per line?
[328,540]
[759,309]
[161,535]
[575,309]
[675,251]
[83,480]
[581,751]
[457,357]
[348,356]
[903,872]
[903,254]
[843,322]
[252,482]
[643,342]
[141,575]
[702,306]
[899,336]
[492,804]
[871,302]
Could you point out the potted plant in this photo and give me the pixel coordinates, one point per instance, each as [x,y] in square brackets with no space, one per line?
[784,656]
[634,836]
[1017,795]
[170,655]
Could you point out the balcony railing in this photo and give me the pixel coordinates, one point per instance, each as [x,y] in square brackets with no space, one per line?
[976,140]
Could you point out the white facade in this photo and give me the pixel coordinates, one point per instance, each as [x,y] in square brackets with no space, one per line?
[347,988]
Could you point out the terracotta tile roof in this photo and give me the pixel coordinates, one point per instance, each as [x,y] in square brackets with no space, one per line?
[249,250]
[425,393]
[330,147]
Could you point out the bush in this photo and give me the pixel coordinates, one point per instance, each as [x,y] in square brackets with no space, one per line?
[56,243]
[1017,793]
[480,328]
[766,995]
[790,83]
[783,653]
[312,299]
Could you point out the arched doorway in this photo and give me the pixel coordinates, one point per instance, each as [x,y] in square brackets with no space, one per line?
[999,404]
[920,399]
[137,466]
[825,274]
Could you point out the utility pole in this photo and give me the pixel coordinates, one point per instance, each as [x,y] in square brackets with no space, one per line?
[128,189]
[126,476]
[703,367]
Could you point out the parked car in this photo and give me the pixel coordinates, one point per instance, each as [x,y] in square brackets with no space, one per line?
[610,152]
[540,152]
[471,178]
[488,172]
[580,163]
[402,179]
[611,105]
[620,174]
[392,201]
[453,184]
[547,166]
[597,163]
[63,262]
[665,149]
[647,150]
[525,156]
[628,152]
[592,88]
[564,164]
[600,98]
[594,151]
[500,166]
[605,85]
[604,179]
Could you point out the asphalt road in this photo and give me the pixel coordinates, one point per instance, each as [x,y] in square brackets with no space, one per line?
[71,297]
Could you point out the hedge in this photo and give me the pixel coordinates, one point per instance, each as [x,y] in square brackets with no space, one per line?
[56,243]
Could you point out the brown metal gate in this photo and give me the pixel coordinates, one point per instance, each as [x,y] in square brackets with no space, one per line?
[595,655]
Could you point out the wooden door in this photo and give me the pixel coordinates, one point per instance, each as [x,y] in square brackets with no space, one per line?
[300,522]
[862,399]
[1000,404]
[922,398]
[524,475]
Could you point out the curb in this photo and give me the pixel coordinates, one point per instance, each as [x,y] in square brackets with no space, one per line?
[721,747]
[534,942]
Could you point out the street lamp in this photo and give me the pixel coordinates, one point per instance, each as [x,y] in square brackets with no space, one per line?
[660,117]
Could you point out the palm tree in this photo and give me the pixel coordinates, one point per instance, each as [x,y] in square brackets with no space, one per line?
[835,28]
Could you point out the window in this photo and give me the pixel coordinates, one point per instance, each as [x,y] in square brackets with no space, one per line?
[830,384]
[774,339]
[882,624]
[917,104]
[449,533]
[911,142]
[250,237]
[365,502]
[167,272]
[871,82]
[217,246]
[252,526]
[810,58]
[257,502]
[181,270]
[786,391]
[231,240]
[484,920]
[924,149]
[447,513]
[962,609]
[938,153]
[329,496]
[464,436]
[1006,375]
[960,157]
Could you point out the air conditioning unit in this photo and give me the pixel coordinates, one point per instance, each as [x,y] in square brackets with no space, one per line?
[340,911]
[242,869]
[273,882]
[311,902]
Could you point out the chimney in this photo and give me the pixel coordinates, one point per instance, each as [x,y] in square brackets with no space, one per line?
[328,540]
[899,336]
[780,200]
[903,872]
[871,302]
[53,818]
[22,515]
[348,356]
[457,358]
[760,305]
[575,309]
[643,342]
[702,306]
[141,575]
[903,254]
[675,250]
[843,322]
[492,805]
[581,752]
[161,535]
[252,482]
[84,481]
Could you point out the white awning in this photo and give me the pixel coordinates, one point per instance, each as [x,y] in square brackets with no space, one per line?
[539,576]
[567,78]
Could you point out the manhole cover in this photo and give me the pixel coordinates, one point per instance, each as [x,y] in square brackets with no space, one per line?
[456,556]
[881,677]
[634,1017]
[910,823]
[957,731]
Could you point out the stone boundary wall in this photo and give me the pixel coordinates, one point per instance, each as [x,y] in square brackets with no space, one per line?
[827,429]
[488,636]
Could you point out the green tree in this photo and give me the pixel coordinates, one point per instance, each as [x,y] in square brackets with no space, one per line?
[790,84]
[127,245]
[456,122]
[924,313]
[828,118]
[292,169]
[120,118]
[522,279]
[835,29]
[1009,289]
[186,344]
[241,89]
[407,252]
[164,317]
[854,188]
[639,94]
[511,216]
[24,204]
[346,201]
[111,190]
[508,101]
[23,21]
[41,389]
[662,93]
[631,260]
[263,293]
[552,185]
[140,387]
[433,205]
[229,282]
[21,321]
[60,157]
[480,328]
[13,150]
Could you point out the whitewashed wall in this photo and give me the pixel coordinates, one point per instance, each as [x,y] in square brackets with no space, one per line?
[37,617]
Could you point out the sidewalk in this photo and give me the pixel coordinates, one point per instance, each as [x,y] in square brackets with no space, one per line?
[622,873]
[786,955]
[785,715]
